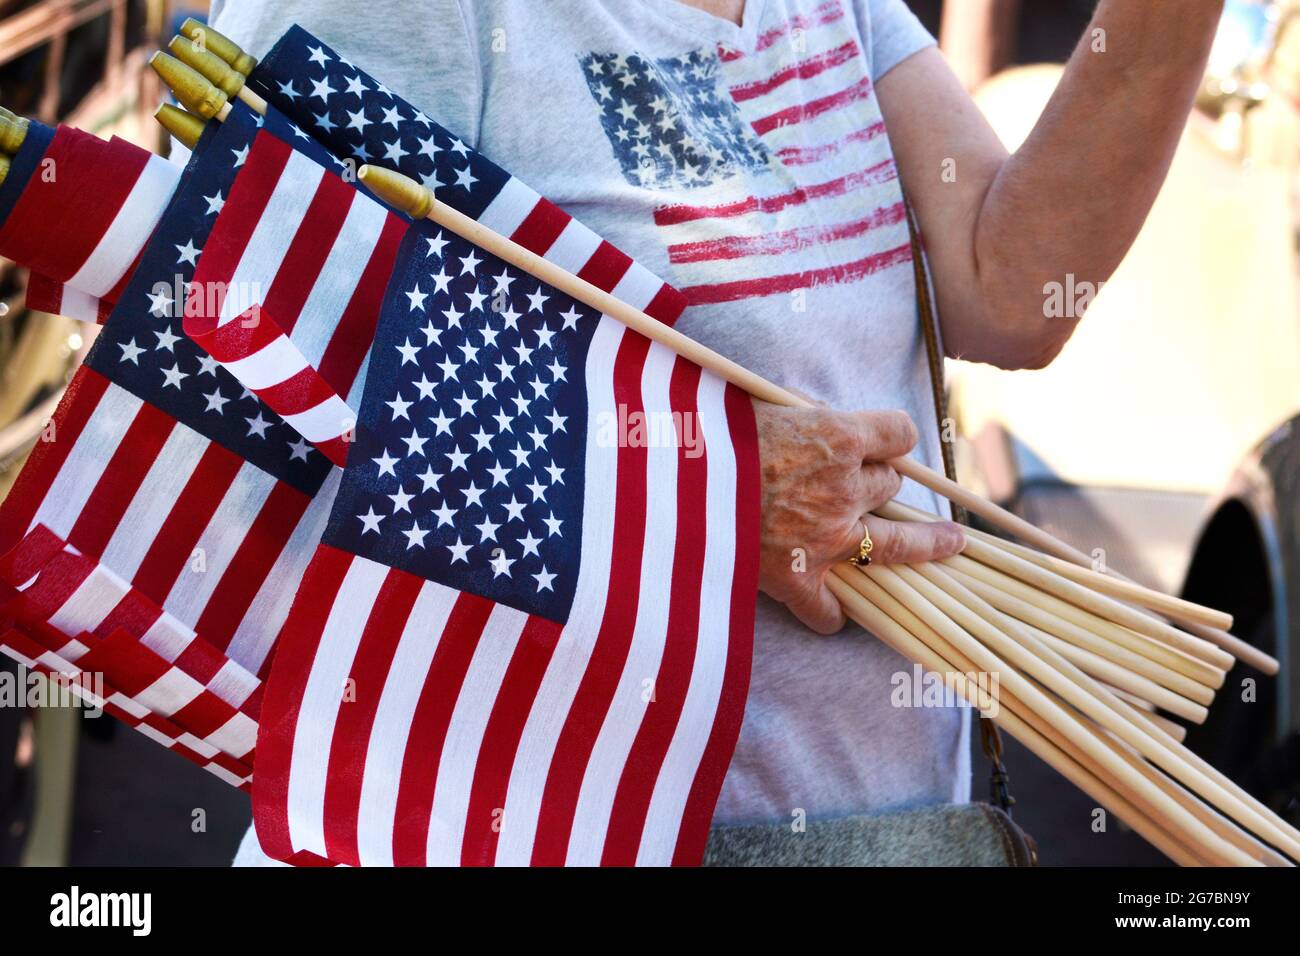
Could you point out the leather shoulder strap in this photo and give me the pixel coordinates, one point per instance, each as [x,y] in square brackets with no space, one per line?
[929,318]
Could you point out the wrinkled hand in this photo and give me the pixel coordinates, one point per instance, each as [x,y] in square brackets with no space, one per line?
[823,471]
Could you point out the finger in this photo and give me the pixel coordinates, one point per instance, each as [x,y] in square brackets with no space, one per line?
[882,435]
[895,542]
[878,483]
[818,609]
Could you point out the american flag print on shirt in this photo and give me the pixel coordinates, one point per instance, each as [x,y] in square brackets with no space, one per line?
[521,641]
[361,120]
[780,207]
[161,467]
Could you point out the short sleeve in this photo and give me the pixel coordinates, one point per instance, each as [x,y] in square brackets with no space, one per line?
[895,34]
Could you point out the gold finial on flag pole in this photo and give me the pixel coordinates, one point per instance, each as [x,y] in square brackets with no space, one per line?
[13,131]
[400,192]
[222,46]
[186,127]
[207,64]
[197,94]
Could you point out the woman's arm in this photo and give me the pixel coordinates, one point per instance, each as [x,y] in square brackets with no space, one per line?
[1071,200]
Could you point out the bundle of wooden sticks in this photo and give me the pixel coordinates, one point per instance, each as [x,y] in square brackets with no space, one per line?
[1090,669]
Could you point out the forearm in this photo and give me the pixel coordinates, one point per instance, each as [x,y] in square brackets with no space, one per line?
[1072,199]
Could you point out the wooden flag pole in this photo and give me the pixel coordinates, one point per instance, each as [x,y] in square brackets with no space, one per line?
[875,609]
[1051,733]
[993,647]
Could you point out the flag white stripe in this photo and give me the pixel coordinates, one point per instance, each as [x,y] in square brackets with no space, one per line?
[627,709]
[233,683]
[272,364]
[92,601]
[75,304]
[170,692]
[330,419]
[167,637]
[138,530]
[69,491]
[219,542]
[695,724]
[509,207]
[342,271]
[130,229]
[573,650]
[573,247]
[460,752]
[237,736]
[260,625]
[321,699]
[385,751]
[266,249]
[638,287]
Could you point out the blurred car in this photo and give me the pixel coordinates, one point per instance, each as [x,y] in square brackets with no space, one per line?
[1165,440]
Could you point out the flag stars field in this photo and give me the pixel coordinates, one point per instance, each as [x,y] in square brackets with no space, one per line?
[463,442]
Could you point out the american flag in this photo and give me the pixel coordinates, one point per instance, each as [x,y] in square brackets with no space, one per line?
[107,197]
[522,640]
[758,138]
[532,639]
[157,463]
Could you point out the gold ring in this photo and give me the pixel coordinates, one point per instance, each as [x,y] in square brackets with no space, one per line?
[863,557]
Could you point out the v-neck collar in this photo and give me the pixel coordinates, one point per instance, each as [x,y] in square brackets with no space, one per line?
[739,36]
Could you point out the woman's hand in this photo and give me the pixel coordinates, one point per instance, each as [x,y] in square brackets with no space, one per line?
[823,471]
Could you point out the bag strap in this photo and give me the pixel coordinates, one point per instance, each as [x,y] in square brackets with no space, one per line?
[990,736]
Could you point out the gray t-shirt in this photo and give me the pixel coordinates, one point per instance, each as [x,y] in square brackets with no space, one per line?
[749,166]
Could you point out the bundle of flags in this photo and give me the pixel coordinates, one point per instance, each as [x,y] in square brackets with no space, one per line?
[333,509]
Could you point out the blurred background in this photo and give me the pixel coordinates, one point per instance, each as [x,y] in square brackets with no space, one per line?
[1162,441]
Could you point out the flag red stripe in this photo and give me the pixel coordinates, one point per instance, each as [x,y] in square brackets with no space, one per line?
[185,522]
[698,813]
[252,330]
[599,681]
[352,339]
[239,218]
[356,715]
[299,642]
[135,614]
[801,112]
[311,246]
[428,730]
[90,180]
[123,473]
[606,267]
[771,285]
[803,70]
[48,456]
[803,155]
[303,390]
[131,666]
[501,736]
[252,563]
[667,305]
[789,240]
[637,781]
[541,227]
[676,215]
[59,579]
